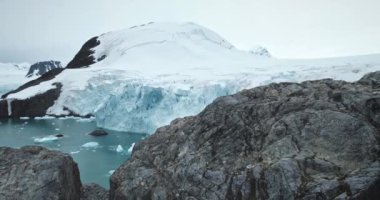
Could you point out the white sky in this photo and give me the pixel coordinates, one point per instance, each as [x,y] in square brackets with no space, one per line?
[34,30]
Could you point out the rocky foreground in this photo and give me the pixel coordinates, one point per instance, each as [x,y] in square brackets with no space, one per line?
[313,140]
[310,140]
[35,173]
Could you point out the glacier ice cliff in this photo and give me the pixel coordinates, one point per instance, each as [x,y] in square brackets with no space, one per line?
[143,77]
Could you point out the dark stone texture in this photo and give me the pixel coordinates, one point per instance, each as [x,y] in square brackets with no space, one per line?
[41,68]
[35,173]
[310,140]
[372,79]
[93,192]
[3,109]
[98,133]
[84,57]
[34,106]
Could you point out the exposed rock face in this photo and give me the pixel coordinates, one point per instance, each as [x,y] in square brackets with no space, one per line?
[41,68]
[84,57]
[35,173]
[3,109]
[46,77]
[372,79]
[93,192]
[314,140]
[32,107]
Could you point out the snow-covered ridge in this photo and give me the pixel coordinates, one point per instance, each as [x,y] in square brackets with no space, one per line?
[184,36]
[148,75]
[12,75]
[167,46]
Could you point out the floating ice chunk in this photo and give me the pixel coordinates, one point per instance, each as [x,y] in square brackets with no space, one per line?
[111,172]
[74,152]
[119,148]
[90,145]
[57,129]
[131,148]
[49,138]
[24,118]
[91,119]
[44,117]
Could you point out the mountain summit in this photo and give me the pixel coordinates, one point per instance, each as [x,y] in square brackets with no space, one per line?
[157,44]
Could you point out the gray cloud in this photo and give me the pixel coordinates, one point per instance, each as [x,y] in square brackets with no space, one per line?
[33,30]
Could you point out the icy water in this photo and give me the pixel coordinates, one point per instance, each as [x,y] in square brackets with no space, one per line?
[95,162]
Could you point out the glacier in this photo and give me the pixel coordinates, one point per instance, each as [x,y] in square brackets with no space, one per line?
[146,76]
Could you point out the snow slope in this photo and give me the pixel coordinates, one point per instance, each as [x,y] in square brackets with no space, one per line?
[148,75]
[12,75]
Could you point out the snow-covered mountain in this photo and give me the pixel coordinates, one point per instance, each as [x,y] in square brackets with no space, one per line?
[259,50]
[40,68]
[143,77]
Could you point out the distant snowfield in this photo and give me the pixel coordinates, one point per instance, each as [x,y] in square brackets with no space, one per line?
[155,73]
[12,75]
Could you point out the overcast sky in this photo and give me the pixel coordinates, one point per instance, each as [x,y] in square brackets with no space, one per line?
[35,30]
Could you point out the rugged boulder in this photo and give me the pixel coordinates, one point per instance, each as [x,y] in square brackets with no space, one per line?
[93,192]
[99,132]
[35,173]
[310,140]
[40,68]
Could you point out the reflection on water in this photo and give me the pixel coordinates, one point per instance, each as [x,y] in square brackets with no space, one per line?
[95,161]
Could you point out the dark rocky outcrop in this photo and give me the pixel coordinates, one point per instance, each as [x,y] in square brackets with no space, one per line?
[3,109]
[372,79]
[84,57]
[31,107]
[93,192]
[40,68]
[310,140]
[46,77]
[99,132]
[35,173]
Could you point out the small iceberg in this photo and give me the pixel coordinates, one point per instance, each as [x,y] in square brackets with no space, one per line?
[24,118]
[44,117]
[91,119]
[119,148]
[74,152]
[46,139]
[111,172]
[90,145]
[131,148]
